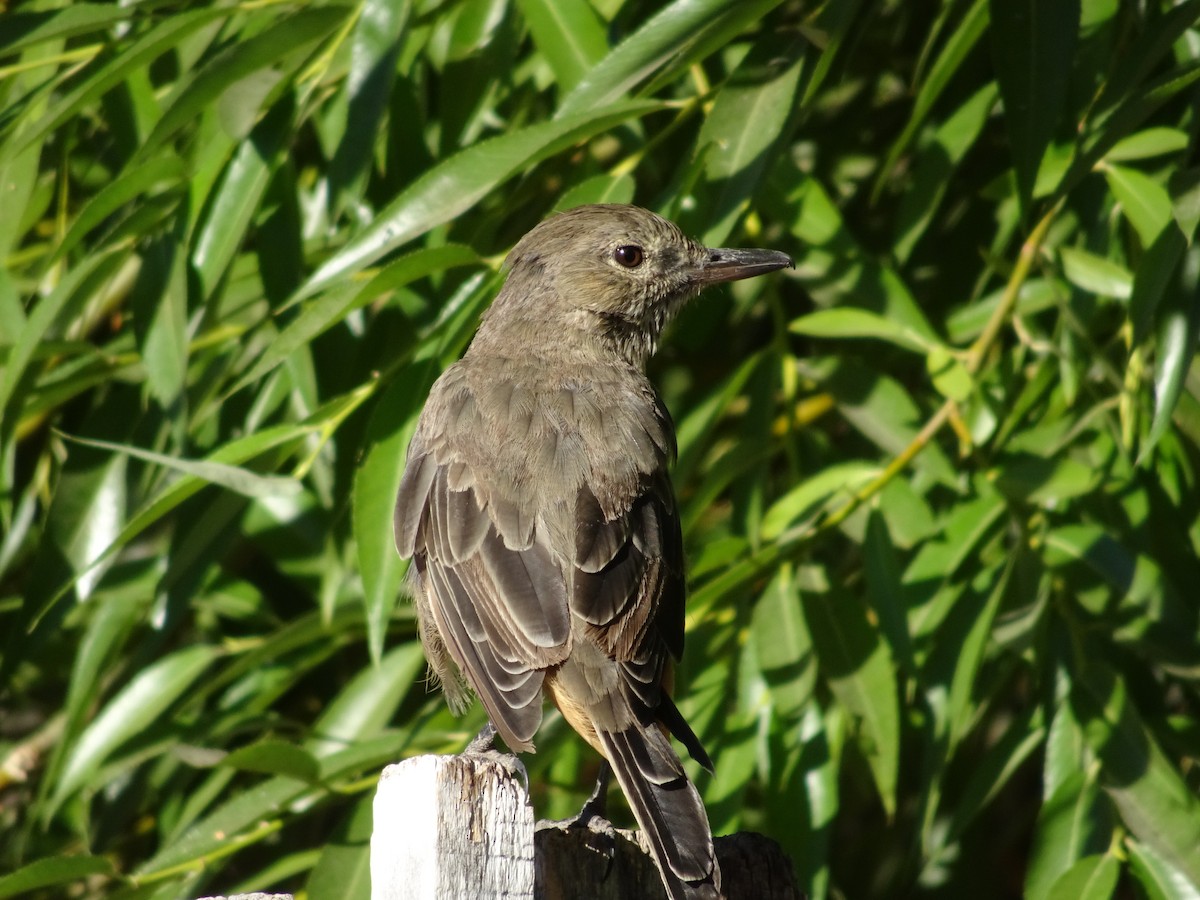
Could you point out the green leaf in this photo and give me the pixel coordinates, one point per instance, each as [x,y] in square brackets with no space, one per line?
[159,302]
[972,650]
[52,871]
[231,208]
[667,36]
[936,164]
[957,48]
[136,707]
[457,184]
[848,322]
[1151,610]
[1092,878]
[1147,144]
[21,29]
[725,796]
[949,375]
[694,431]
[569,36]
[1156,876]
[1142,55]
[832,266]
[1096,274]
[241,60]
[374,49]
[1003,759]
[333,306]
[782,645]
[73,290]
[1045,481]
[859,669]
[964,526]
[474,25]
[598,189]
[837,482]
[1155,273]
[240,813]
[343,871]
[1152,798]
[883,410]
[1140,104]
[234,478]
[1071,824]
[375,487]
[885,594]
[1177,336]
[1033,46]
[362,709]
[1143,201]
[162,173]
[271,757]
[1185,200]
[18,179]
[106,73]
[232,205]
[749,118]
[235,451]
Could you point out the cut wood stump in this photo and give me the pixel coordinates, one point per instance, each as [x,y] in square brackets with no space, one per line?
[451,827]
[455,827]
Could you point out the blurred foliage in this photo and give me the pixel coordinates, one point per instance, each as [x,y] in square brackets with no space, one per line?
[939,484]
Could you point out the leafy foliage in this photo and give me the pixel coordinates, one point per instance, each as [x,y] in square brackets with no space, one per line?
[939,484]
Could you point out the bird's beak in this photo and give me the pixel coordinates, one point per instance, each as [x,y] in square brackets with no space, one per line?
[724,264]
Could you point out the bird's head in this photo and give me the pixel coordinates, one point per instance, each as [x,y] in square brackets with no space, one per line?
[618,271]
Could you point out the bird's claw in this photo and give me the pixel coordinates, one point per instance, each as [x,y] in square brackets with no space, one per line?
[483,747]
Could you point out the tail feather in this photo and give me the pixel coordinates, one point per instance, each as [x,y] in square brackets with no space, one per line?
[667,808]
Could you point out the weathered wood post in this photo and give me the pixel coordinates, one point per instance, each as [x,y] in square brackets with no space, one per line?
[452,827]
[462,828]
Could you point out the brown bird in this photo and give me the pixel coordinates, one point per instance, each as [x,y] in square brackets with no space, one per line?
[537,509]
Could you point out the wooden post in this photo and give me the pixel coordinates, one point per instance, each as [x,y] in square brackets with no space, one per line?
[453,827]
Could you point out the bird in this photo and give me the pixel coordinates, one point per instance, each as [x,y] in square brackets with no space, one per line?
[537,510]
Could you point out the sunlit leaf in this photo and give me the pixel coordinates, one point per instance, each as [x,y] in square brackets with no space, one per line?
[138,705]
[860,323]
[1093,273]
[459,182]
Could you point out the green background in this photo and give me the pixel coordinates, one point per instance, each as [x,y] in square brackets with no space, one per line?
[938,484]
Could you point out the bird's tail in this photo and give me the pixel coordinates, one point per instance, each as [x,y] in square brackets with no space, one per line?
[667,808]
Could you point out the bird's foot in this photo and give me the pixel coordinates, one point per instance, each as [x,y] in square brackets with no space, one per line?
[483,742]
[483,747]
[594,814]
[591,825]
[596,806]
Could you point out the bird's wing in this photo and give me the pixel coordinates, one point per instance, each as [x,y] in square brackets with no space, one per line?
[628,586]
[501,610]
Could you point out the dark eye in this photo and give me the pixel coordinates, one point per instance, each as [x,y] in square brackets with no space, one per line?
[629,255]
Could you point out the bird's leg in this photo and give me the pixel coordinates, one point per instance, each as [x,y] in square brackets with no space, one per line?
[591,825]
[483,746]
[596,806]
[484,741]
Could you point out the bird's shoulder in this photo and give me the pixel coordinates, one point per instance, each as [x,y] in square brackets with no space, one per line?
[558,417]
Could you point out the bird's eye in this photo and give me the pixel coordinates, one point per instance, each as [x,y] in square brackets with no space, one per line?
[629,255]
